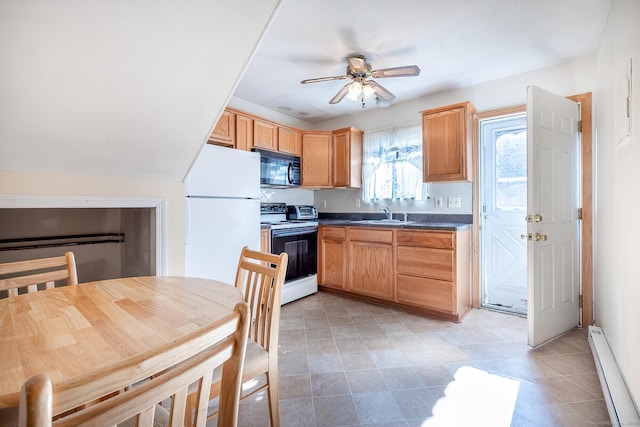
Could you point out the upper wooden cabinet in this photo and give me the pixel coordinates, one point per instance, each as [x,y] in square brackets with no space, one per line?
[446,143]
[289,141]
[265,135]
[317,159]
[244,132]
[347,158]
[225,130]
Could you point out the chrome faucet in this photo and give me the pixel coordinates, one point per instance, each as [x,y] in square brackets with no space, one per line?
[387,212]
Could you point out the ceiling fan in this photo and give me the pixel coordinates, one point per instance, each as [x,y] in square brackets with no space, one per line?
[359,70]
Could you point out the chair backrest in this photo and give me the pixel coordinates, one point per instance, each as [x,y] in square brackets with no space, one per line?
[35,402]
[260,277]
[31,273]
[158,376]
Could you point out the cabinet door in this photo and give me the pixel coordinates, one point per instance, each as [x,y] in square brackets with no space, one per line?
[289,141]
[371,269]
[244,132]
[341,160]
[265,135]
[333,265]
[347,158]
[446,139]
[316,160]
[225,130]
[332,257]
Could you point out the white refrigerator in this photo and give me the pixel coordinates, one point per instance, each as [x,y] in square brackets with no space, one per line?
[222,197]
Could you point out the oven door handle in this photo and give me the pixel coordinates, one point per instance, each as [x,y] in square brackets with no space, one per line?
[295,231]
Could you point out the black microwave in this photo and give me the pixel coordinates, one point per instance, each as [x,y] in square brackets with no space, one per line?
[278,170]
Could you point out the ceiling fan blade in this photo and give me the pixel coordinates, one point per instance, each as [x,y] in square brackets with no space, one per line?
[356,64]
[324,79]
[407,71]
[341,94]
[381,92]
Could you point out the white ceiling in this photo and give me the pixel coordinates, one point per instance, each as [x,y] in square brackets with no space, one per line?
[456,43]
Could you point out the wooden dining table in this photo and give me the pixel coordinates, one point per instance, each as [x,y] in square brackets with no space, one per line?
[69,331]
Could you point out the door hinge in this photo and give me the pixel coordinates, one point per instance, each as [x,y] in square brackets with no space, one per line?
[579,213]
[580,301]
[580,126]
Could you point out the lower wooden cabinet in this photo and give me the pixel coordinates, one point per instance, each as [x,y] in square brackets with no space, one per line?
[371,262]
[332,249]
[423,270]
[433,270]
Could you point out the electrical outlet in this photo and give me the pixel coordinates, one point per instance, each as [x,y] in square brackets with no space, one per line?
[455,202]
[357,201]
[324,203]
[438,202]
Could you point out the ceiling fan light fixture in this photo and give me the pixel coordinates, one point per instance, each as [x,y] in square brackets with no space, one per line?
[359,91]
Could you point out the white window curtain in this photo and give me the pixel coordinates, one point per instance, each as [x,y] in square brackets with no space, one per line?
[392,164]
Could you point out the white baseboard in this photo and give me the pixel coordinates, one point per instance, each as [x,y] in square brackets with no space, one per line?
[622,410]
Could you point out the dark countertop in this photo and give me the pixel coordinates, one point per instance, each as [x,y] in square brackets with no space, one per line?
[411,225]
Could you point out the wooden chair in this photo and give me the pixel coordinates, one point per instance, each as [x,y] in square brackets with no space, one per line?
[260,277]
[29,274]
[162,375]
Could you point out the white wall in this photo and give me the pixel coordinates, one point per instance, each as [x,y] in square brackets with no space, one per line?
[617,230]
[566,79]
[119,88]
[116,98]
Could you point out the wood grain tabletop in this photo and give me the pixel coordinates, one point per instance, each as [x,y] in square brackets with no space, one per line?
[69,331]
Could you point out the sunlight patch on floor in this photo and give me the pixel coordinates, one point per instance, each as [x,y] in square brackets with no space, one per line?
[475,398]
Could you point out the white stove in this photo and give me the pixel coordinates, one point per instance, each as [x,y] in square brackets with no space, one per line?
[280,216]
[294,230]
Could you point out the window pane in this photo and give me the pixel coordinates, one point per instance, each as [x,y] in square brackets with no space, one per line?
[392,164]
[511,170]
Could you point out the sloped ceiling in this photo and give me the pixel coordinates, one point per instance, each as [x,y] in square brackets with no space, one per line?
[119,88]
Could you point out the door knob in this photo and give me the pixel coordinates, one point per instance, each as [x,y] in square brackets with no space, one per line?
[525,236]
[542,237]
[537,218]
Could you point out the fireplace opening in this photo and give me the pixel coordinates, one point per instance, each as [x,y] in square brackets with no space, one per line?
[107,242]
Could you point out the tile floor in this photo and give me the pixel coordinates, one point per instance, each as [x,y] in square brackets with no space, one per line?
[349,363]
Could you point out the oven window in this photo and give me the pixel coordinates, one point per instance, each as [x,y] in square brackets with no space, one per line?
[302,251]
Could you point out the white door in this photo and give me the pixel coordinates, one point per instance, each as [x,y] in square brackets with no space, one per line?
[553,229]
[504,208]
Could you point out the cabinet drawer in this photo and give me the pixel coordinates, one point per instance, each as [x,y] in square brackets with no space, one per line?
[426,262]
[339,233]
[429,293]
[430,239]
[370,235]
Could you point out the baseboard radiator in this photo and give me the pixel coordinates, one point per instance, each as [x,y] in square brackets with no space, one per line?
[622,410]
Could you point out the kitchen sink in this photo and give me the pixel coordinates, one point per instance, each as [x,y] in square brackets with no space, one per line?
[382,222]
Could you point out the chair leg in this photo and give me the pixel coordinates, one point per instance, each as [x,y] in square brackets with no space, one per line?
[274,397]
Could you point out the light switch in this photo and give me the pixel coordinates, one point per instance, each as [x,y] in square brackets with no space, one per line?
[438,202]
